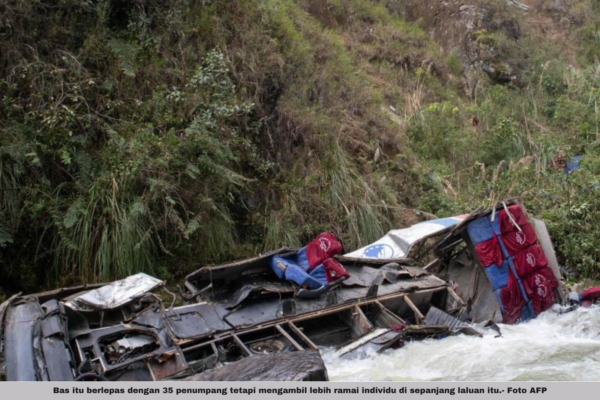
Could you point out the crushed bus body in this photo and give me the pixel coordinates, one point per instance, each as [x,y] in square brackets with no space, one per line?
[267,317]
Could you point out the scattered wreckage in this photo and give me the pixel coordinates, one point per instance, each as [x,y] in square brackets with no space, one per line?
[266,317]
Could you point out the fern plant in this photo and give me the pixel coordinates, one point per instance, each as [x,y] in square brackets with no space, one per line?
[125,53]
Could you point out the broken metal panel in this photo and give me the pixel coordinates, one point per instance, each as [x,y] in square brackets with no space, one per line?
[19,335]
[54,343]
[254,314]
[115,294]
[484,304]
[294,366]
[198,320]
[65,292]
[51,307]
[106,347]
[396,244]
[360,323]
[361,341]
[3,309]
[254,286]
[171,366]
[77,324]
[235,270]
[265,310]
[138,371]
[142,349]
[471,285]
[40,362]
[401,286]
[57,358]
[52,325]
[150,319]
[381,316]
[435,316]
[544,238]
[367,276]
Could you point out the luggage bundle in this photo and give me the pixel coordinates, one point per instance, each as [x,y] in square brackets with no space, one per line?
[313,267]
[515,264]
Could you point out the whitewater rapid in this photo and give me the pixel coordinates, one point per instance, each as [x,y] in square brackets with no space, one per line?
[551,347]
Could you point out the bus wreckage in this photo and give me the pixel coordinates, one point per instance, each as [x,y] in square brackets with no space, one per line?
[267,317]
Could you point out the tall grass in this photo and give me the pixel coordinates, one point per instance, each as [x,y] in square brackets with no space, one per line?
[105,233]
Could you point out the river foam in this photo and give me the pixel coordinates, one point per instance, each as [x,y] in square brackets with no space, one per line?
[551,347]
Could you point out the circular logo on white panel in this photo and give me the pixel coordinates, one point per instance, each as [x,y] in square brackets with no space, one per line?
[379,251]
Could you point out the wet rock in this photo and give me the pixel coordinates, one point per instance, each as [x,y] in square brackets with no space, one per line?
[294,366]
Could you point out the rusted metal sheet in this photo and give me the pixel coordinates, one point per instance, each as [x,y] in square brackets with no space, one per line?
[168,365]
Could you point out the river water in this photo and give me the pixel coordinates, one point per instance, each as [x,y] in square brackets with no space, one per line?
[551,347]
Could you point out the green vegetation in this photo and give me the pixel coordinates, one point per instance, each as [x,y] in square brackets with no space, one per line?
[158,136]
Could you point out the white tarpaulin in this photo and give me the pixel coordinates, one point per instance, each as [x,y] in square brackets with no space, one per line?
[115,294]
[397,243]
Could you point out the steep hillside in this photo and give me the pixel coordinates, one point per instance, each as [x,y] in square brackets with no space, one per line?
[160,135]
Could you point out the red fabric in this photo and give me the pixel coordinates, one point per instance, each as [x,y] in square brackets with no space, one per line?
[539,287]
[516,241]
[591,294]
[489,252]
[518,215]
[324,246]
[512,301]
[530,260]
[334,270]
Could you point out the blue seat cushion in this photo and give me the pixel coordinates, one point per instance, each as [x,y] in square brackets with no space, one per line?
[480,230]
[497,275]
[302,259]
[319,274]
[279,264]
[527,312]
[297,275]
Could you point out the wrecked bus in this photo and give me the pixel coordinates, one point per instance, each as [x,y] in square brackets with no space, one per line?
[268,316]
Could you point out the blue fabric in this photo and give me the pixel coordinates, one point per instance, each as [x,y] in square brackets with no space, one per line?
[319,274]
[273,262]
[497,275]
[293,272]
[527,312]
[572,164]
[302,260]
[480,230]
[496,223]
[297,275]
[499,299]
